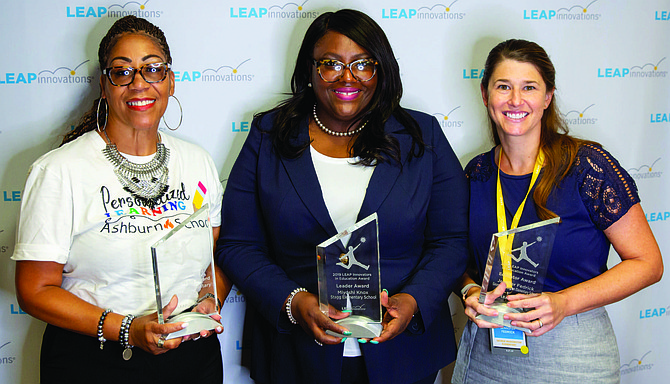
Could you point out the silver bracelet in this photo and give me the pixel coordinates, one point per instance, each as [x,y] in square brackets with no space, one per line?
[123,336]
[207,296]
[288,304]
[101,337]
[467,289]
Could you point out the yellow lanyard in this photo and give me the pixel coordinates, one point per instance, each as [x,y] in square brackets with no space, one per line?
[505,242]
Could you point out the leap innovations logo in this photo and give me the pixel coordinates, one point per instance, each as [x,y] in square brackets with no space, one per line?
[657,216]
[12,196]
[646,171]
[235,296]
[116,10]
[427,12]
[575,13]
[6,360]
[447,121]
[662,15]
[3,248]
[473,73]
[58,75]
[654,312]
[222,74]
[277,11]
[575,117]
[635,365]
[659,117]
[648,70]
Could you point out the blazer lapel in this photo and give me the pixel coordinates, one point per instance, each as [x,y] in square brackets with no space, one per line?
[303,177]
[306,183]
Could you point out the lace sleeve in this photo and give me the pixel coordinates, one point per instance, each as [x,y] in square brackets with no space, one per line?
[606,189]
[479,168]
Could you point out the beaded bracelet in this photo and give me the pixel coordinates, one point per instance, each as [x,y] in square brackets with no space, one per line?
[288,304]
[101,337]
[123,336]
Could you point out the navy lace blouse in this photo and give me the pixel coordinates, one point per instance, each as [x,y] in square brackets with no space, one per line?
[596,193]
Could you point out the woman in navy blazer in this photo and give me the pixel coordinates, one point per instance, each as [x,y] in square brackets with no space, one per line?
[283,198]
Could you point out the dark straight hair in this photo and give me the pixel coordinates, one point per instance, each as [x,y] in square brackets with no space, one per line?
[372,144]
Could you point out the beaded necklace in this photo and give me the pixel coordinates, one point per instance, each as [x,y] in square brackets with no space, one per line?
[334,133]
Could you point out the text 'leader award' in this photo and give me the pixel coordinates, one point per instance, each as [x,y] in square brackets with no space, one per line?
[349,278]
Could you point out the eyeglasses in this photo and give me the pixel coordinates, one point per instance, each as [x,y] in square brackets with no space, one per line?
[332,70]
[151,73]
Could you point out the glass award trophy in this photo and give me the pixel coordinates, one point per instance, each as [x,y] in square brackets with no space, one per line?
[349,278]
[190,241]
[520,258]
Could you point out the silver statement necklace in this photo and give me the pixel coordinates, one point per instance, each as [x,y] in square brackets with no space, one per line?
[333,133]
[146,182]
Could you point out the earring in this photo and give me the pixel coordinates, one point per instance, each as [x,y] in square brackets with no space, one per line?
[309,85]
[181,115]
[97,115]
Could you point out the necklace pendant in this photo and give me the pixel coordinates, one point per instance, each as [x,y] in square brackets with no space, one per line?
[127,353]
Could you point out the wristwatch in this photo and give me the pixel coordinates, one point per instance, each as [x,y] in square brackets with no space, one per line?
[467,288]
[207,296]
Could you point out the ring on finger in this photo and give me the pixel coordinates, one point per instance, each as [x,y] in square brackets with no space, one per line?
[541,325]
[161,341]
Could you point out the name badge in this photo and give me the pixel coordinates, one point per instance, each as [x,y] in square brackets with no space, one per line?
[508,341]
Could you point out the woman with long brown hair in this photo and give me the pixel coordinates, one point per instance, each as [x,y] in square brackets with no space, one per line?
[572,340]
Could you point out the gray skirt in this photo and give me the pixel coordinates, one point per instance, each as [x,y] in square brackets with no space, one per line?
[581,349]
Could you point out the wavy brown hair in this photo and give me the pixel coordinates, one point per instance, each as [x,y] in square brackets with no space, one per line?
[559,147]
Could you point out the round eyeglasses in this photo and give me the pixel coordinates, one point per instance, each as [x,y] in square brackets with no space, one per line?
[331,70]
[151,73]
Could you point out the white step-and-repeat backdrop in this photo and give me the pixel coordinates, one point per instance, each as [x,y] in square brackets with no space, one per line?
[234,58]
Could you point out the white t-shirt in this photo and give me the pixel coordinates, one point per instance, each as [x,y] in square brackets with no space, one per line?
[75,212]
[343,186]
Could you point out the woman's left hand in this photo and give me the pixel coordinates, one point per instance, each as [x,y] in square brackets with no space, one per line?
[548,312]
[400,308]
[206,306]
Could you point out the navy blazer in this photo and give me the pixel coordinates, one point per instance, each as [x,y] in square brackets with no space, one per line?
[273,217]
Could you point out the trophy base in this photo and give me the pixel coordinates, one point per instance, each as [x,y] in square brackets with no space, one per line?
[360,327]
[196,322]
[502,309]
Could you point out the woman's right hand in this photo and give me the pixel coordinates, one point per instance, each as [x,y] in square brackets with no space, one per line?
[305,309]
[145,332]
[473,307]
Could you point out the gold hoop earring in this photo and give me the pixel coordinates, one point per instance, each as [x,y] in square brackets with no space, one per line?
[97,115]
[181,115]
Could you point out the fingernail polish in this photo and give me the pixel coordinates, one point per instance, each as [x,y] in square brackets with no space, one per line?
[343,340]
[362,341]
[346,333]
[385,291]
[374,342]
